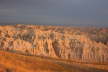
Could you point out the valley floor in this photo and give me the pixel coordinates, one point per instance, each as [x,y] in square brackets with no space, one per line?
[12,62]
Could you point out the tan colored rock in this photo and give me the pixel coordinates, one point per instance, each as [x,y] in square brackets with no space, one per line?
[56,42]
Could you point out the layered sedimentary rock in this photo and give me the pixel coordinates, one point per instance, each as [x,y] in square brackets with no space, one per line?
[50,41]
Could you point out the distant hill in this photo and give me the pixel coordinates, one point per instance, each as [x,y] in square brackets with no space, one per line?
[76,25]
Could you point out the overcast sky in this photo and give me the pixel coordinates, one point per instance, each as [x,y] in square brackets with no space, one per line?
[54,11]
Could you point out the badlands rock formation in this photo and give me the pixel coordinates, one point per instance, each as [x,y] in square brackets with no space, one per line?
[57,42]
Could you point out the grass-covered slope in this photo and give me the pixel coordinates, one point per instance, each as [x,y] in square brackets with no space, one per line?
[12,62]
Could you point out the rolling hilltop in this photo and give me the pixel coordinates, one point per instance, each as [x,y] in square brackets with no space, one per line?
[12,62]
[88,45]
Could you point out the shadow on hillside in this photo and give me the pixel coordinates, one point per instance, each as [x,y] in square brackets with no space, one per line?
[77,68]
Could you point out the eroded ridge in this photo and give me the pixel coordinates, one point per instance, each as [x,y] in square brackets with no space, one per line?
[79,44]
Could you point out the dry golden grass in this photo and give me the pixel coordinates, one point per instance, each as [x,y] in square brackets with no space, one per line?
[11,62]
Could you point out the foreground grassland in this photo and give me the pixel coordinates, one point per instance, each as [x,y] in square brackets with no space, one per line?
[12,62]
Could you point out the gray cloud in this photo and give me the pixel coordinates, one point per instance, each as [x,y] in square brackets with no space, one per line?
[8,12]
[54,11]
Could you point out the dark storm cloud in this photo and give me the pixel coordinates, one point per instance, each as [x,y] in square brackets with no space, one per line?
[54,11]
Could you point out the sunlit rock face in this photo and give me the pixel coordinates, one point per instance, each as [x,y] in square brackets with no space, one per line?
[57,42]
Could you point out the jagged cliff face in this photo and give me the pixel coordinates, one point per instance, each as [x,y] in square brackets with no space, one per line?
[57,42]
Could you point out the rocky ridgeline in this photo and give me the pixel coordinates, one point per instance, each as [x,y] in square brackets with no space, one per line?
[52,41]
